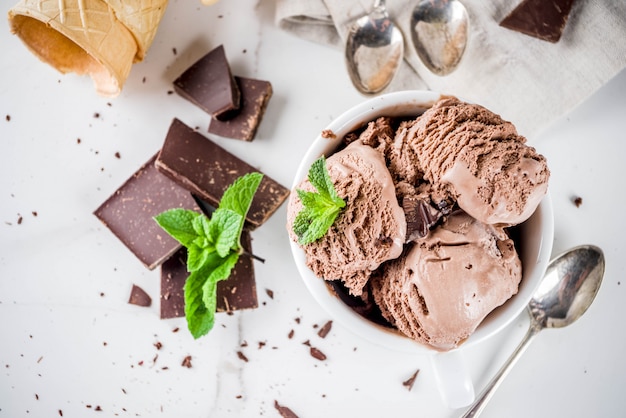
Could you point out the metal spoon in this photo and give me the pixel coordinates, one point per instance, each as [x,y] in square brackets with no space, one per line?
[374,50]
[439,29]
[568,288]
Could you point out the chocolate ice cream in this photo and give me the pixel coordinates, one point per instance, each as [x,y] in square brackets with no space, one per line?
[447,283]
[369,231]
[435,257]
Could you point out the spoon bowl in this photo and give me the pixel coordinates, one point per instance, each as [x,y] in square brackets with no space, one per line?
[440,30]
[374,50]
[568,288]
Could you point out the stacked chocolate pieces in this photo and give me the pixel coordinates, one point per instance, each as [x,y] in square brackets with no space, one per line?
[192,172]
[236,104]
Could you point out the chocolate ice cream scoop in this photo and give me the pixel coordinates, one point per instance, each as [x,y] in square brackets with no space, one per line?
[371,228]
[490,170]
[442,288]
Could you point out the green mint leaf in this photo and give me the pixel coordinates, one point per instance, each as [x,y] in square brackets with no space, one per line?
[226,230]
[319,209]
[213,248]
[220,272]
[179,224]
[201,292]
[238,196]
[199,319]
[196,257]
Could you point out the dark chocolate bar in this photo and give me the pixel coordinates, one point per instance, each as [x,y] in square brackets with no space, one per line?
[542,19]
[129,213]
[206,169]
[235,293]
[243,123]
[209,84]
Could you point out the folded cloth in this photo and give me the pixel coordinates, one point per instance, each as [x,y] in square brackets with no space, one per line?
[526,80]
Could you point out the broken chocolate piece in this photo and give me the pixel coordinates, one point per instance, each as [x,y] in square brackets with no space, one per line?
[243,123]
[236,293]
[139,297]
[284,411]
[209,84]
[129,213]
[420,217]
[542,19]
[209,176]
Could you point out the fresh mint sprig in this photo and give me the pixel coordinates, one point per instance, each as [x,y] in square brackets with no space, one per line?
[213,248]
[319,209]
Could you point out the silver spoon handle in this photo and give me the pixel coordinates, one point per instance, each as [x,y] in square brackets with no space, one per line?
[481,401]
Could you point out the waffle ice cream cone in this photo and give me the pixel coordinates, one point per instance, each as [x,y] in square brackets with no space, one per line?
[96,37]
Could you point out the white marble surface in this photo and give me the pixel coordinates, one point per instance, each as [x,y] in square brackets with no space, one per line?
[70,342]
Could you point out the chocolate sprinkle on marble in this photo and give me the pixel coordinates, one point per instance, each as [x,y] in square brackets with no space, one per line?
[139,297]
[284,411]
[411,380]
[323,332]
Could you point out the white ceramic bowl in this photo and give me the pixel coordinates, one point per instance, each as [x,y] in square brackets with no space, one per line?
[535,239]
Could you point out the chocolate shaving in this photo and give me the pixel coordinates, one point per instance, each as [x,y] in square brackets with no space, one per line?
[323,332]
[317,354]
[411,380]
[284,411]
[139,297]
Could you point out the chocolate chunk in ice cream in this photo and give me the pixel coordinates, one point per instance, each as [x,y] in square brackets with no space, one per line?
[209,84]
[206,169]
[242,123]
[129,213]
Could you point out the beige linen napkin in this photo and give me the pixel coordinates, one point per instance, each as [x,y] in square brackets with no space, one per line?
[526,80]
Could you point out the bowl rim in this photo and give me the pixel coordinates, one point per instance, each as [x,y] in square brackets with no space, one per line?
[407,103]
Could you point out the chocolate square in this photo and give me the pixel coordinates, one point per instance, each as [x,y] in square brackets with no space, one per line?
[235,293]
[129,213]
[209,84]
[243,123]
[542,19]
[206,169]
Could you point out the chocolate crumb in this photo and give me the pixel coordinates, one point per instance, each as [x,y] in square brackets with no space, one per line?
[118,155]
[328,134]
[270,293]
[34,213]
[78,140]
[297,320]
[96,115]
[262,344]
[19,219]
[124,391]
[60,412]
[8,118]
[169,92]
[323,332]
[307,342]
[242,356]
[176,329]
[174,51]
[284,411]
[98,408]
[411,380]
[317,354]
[578,201]
[139,297]
[36,396]
[186,362]
[158,345]
[109,104]
[143,80]
[244,343]
[290,335]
